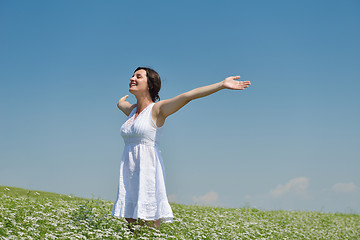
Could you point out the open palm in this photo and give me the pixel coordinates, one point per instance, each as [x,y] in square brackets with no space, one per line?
[231,83]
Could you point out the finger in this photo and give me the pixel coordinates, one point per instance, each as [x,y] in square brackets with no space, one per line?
[240,86]
[236,77]
[124,98]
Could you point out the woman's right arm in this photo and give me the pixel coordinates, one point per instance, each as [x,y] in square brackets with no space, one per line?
[125,106]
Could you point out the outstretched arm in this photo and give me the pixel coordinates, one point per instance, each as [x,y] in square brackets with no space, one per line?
[125,106]
[165,108]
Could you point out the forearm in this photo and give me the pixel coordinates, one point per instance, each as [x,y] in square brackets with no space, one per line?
[204,91]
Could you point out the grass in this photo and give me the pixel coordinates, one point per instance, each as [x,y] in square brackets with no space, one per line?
[26,214]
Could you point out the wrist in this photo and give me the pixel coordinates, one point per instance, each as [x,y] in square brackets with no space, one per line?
[221,85]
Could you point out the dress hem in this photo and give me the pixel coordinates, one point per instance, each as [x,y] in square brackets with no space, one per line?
[163,219]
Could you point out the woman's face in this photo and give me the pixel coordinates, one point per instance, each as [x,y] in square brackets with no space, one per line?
[138,82]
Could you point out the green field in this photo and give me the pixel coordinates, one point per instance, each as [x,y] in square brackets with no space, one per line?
[26,214]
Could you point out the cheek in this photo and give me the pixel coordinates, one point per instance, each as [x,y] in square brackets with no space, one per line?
[144,84]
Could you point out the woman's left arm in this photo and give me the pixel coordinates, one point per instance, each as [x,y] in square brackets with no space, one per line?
[165,108]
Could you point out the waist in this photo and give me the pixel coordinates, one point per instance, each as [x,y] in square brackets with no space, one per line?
[144,141]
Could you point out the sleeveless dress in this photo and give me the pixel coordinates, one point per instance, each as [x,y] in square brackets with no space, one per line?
[141,191]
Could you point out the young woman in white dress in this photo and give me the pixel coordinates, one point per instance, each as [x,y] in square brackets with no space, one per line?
[142,193]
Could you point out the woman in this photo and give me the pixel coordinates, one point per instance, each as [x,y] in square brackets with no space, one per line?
[142,193]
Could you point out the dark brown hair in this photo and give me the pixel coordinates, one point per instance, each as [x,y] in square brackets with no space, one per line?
[154,82]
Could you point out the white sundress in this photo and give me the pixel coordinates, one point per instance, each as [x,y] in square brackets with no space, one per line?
[142,192]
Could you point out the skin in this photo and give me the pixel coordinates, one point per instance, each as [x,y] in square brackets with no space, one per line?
[162,109]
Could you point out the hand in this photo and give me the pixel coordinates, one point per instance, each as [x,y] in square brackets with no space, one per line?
[125,106]
[123,99]
[230,83]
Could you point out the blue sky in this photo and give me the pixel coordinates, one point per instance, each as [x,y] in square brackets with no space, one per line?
[290,141]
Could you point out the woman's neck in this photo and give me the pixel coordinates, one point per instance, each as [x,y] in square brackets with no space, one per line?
[142,103]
